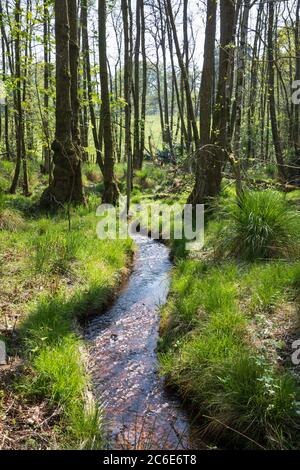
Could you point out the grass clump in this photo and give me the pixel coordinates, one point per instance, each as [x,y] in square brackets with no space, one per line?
[10,220]
[54,252]
[260,225]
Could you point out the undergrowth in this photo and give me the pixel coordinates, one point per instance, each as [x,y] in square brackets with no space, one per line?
[72,275]
[210,348]
[260,225]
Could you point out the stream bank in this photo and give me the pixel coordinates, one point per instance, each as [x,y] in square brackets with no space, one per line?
[139,412]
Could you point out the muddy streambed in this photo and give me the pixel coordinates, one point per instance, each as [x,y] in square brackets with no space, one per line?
[139,413]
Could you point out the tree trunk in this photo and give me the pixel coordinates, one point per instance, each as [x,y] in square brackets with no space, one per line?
[296,131]
[187,62]
[240,79]
[137,87]
[271,95]
[127,92]
[144,88]
[47,146]
[66,186]
[19,109]
[205,169]
[185,76]
[221,118]
[87,64]
[111,193]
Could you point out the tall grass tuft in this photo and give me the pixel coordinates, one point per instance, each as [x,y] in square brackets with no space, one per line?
[11,220]
[260,225]
[55,250]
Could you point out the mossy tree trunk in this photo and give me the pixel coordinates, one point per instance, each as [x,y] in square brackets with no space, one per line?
[127,25]
[144,86]
[214,143]
[66,186]
[205,179]
[19,115]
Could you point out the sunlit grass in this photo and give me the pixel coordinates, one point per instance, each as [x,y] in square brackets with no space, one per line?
[260,225]
[78,274]
[207,348]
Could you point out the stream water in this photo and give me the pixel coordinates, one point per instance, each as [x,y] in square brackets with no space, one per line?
[139,412]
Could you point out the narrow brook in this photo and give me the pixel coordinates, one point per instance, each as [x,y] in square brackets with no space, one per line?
[139,412]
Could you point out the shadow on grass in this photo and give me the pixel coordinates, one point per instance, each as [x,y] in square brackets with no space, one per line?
[56,356]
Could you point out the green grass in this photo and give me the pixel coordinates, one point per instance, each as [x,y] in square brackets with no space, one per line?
[261,225]
[6,170]
[207,352]
[214,351]
[78,275]
[58,372]
[268,285]
[153,129]
[10,220]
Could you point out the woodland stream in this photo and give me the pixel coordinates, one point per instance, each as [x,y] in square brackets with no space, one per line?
[139,412]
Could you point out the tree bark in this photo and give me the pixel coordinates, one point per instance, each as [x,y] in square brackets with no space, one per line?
[66,186]
[271,96]
[127,94]
[137,86]
[19,121]
[111,192]
[144,87]
[185,76]
[205,168]
[47,146]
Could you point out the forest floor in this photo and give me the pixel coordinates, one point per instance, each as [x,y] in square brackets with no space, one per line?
[227,336]
[226,331]
[50,277]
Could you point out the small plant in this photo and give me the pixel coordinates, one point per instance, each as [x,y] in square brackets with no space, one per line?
[260,225]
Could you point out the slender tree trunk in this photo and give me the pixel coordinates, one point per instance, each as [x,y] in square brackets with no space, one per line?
[6,109]
[110,195]
[144,87]
[159,99]
[271,95]
[190,105]
[177,91]
[296,130]
[187,62]
[253,92]
[240,79]
[205,169]
[87,64]
[137,86]
[74,52]
[167,136]
[18,100]
[221,118]
[127,93]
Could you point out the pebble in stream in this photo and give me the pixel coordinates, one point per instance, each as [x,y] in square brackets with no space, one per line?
[139,413]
